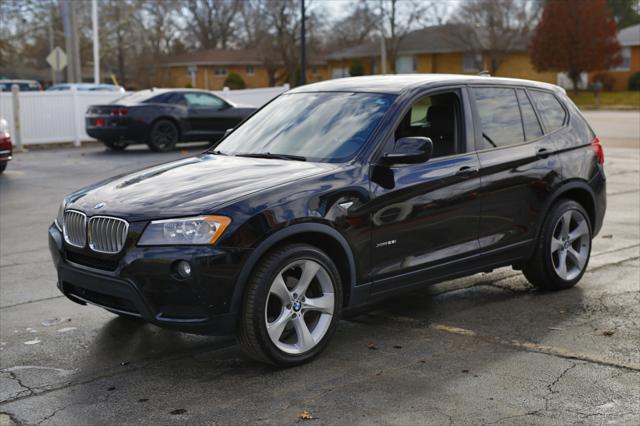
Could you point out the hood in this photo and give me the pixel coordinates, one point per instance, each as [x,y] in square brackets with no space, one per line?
[192,186]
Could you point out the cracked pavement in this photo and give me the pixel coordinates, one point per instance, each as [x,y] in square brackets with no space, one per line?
[486,349]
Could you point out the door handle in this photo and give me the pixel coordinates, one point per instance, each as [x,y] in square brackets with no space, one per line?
[542,153]
[466,171]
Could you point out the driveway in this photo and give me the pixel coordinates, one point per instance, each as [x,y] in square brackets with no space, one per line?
[487,349]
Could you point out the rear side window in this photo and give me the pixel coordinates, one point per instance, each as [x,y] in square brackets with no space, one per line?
[532,129]
[499,117]
[551,112]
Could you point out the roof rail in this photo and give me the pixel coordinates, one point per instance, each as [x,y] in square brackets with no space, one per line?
[484,73]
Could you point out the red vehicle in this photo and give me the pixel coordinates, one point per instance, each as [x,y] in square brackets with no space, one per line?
[6,147]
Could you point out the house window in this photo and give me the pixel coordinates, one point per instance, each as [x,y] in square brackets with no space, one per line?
[339,72]
[220,71]
[314,70]
[472,62]
[251,70]
[625,65]
[405,64]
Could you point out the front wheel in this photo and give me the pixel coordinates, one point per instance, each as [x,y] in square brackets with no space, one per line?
[292,306]
[563,250]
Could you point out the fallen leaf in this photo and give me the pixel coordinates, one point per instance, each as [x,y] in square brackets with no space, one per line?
[397,347]
[112,388]
[372,346]
[608,236]
[178,411]
[422,361]
[608,332]
[305,415]
[465,371]
[379,373]
[554,328]
[143,399]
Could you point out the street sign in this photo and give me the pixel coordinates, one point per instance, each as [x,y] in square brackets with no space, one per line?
[57,59]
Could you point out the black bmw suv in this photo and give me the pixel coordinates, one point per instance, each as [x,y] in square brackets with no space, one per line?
[333,196]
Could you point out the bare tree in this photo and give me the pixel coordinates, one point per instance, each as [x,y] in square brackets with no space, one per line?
[212,22]
[495,27]
[358,27]
[398,18]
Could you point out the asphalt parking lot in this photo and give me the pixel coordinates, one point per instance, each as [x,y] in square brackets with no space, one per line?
[486,349]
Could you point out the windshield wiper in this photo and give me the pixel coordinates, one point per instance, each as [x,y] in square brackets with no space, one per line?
[270,155]
[218,152]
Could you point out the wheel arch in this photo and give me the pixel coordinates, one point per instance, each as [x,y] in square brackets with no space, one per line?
[169,118]
[578,191]
[319,235]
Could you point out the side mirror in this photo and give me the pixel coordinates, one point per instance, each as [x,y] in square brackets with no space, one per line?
[228,131]
[410,150]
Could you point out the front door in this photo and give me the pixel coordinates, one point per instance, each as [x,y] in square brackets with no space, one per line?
[425,215]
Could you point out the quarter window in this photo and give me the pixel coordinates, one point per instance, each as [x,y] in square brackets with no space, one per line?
[499,117]
[551,112]
[532,129]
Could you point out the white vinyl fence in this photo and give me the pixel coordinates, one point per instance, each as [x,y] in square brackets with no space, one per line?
[50,117]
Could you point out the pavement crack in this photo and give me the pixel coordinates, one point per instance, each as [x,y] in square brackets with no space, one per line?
[17,379]
[32,301]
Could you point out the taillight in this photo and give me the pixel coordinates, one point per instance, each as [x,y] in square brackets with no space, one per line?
[597,148]
[100,122]
[120,112]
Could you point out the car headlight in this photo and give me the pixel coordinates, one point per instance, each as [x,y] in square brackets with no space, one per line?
[60,217]
[184,231]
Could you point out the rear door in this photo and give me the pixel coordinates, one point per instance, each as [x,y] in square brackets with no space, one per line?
[518,168]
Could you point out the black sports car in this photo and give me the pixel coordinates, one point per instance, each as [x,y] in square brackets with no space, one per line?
[163,117]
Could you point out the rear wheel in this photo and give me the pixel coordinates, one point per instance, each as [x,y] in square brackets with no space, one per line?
[563,250]
[292,306]
[116,145]
[164,136]
[3,165]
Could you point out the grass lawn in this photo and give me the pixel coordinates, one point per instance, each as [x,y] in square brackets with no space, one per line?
[617,100]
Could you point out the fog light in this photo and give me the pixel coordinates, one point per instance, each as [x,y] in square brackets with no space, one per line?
[184,269]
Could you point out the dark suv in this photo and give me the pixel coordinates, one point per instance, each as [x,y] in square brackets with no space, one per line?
[335,195]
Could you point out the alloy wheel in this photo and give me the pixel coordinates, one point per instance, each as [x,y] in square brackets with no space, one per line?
[299,306]
[570,245]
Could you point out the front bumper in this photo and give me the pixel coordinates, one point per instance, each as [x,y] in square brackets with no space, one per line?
[142,283]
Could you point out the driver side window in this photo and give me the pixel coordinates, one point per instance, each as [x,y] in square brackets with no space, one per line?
[436,117]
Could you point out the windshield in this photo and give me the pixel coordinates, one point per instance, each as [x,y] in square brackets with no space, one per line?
[324,126]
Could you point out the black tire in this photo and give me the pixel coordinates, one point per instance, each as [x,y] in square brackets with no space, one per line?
[164,136]
[116,145]
[252,328]
[3,165]
[541,269]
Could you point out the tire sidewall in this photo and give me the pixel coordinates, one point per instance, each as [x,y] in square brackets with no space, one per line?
[285,257]
[159,148]
[549,226]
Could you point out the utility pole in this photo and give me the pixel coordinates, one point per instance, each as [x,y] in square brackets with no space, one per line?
[76,42]
[303,42]
[51,44]
[383,47]
[68,42]
[96,42]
